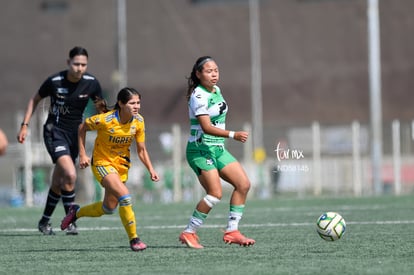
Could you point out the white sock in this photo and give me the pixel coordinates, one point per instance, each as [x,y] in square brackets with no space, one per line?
[233,223]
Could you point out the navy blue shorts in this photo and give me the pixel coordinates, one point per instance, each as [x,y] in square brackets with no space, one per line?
[60,142]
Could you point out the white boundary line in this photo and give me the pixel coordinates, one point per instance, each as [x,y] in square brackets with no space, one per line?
[162,227]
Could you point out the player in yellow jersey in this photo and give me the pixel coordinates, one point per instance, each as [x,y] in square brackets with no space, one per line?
[116,130]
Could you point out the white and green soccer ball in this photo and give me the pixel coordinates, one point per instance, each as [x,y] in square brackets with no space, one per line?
[330,226]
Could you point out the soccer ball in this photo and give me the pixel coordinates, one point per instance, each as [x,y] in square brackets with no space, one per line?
[330,226]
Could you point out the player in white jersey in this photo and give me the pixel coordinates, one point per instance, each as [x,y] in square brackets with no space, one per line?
[208,157]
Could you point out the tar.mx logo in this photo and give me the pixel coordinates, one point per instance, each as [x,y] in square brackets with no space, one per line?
[283,153]
[286,153]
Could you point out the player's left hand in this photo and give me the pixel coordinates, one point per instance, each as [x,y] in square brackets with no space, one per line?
[241,136]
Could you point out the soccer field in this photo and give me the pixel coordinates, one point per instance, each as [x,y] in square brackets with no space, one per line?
[379,239]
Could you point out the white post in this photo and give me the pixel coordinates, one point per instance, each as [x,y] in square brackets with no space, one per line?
[375,93]
[356,156]
[28,173]
[317,179]
[122,44]
[256,73]
[176,157]
[396,149]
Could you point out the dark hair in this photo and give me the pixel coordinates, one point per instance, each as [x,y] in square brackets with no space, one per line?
[124,95]
[78,51]
[193,81]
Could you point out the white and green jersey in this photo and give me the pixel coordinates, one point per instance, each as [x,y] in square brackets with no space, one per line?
[203,102]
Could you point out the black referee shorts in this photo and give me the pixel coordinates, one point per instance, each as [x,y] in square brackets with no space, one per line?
[60,142]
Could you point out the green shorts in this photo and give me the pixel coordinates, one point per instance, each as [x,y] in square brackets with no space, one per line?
[203,157]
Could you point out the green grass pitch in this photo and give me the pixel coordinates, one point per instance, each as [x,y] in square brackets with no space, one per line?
[379,239]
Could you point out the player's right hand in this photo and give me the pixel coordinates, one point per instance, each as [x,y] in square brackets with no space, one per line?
[84,161]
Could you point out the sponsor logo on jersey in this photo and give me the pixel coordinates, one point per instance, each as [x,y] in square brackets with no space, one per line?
[62,91]
[120,140]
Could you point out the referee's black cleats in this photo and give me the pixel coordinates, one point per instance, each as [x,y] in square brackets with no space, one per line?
[45,228]
[71,230]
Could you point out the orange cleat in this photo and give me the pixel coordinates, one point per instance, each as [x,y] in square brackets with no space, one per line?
[190,239]
[237,238]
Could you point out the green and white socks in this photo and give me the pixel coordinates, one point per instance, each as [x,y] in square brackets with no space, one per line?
[197,219]
[235,215]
